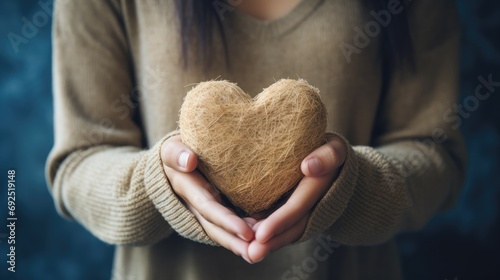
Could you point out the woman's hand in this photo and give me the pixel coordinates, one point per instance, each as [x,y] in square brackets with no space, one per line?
[220,223]
[288,222]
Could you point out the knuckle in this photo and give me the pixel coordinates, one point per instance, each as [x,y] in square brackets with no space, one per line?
[213,192]
[176,183]
[168,150]
[202,204]
[330,155]
[171,178]
[177,187]
[164,152]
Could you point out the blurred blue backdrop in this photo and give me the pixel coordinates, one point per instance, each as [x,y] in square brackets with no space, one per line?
[461,244]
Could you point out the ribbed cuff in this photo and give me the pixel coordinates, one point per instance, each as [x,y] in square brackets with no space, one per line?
[335,201]
[166,201]
[381,197]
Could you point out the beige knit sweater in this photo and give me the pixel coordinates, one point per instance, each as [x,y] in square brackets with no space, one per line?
[118,87]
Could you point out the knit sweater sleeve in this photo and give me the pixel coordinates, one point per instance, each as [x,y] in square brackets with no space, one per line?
[415,166]
[99,172]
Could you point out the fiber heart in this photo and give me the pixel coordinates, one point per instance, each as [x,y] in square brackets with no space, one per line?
[251,149]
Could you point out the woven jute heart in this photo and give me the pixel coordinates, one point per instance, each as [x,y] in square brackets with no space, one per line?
[250,149]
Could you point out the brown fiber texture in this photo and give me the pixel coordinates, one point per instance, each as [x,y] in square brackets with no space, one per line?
[251,149]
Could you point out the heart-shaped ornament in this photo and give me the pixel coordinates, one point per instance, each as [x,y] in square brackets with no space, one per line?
[251,149]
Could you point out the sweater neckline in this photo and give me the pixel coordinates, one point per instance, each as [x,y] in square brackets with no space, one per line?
[258,28]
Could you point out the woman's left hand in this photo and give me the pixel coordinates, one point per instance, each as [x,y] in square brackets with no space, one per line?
[287,223]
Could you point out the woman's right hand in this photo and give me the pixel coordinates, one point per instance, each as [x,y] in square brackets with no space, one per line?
[221,224]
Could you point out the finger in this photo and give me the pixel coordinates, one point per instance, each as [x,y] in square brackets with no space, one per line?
[177,155]
[221,216]
[197,192]
[325,159]
[224,238]
[256,226]
[304,197]
[250,221]
[258,251]
[182,183]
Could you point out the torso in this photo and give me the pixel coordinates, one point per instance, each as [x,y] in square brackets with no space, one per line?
[303,41]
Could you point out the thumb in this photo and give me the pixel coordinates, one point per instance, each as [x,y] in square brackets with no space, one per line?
[177,155]
[325,159]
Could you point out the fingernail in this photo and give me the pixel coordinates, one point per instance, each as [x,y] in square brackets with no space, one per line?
[183,159]
[259,260]
[250,222]
[246,259]
[314,166]
[263,238]
[266,238]
[242,237]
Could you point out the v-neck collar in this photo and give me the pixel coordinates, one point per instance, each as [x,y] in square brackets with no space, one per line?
[257,28]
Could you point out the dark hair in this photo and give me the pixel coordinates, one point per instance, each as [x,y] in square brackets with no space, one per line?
[198,19]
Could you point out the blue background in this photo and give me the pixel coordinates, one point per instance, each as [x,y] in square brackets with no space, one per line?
[461,244]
